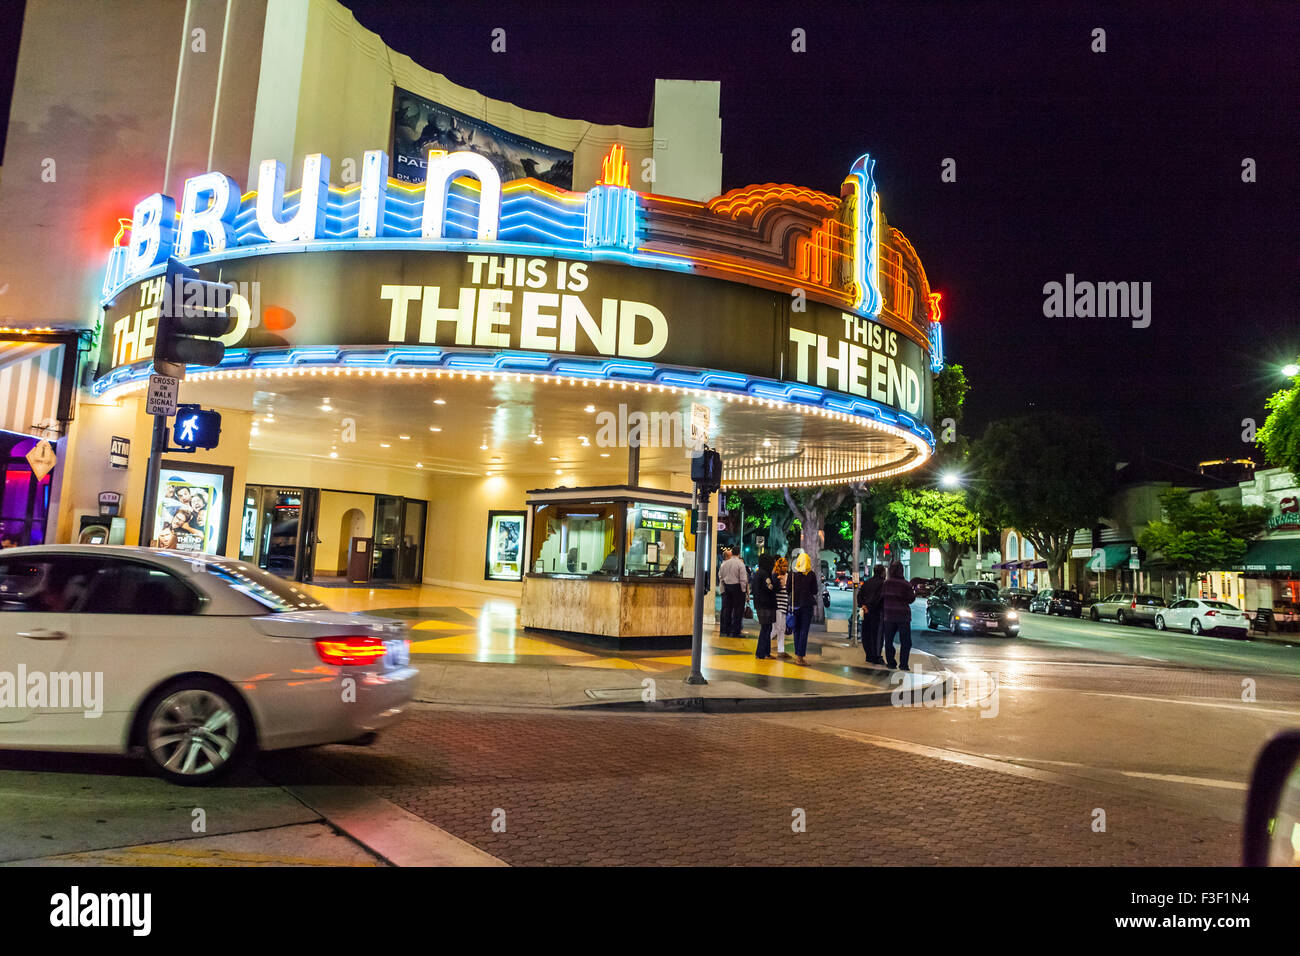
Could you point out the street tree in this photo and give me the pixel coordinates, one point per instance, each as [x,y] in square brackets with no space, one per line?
[1045,475]
[1279,438]
[811,506]
[1201,534]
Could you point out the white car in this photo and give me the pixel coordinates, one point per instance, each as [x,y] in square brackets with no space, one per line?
[197,660]
[1203,617]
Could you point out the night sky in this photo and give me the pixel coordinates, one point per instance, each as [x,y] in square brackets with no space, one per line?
[1116,166]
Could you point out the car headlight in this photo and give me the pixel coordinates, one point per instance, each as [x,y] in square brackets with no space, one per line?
[964,614]
[1012,616]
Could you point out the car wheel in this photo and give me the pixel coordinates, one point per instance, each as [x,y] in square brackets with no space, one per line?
[1196,626]
[1119,618]
[1093,615]
[195,731]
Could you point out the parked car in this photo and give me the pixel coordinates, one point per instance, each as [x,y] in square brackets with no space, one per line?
[203,659]
[924,587]
[1202,617]
[970,608]
[1016,597]
[1125,607]
[1056,601]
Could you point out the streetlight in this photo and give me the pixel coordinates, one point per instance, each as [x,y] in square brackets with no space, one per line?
[950,479]
[1291,371]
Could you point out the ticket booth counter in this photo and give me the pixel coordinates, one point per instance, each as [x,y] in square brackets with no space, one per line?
[611,563]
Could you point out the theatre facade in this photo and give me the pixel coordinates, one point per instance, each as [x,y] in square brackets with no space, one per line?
[475,359]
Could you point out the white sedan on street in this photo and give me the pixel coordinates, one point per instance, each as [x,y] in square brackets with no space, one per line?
[195,660]
[1203,617]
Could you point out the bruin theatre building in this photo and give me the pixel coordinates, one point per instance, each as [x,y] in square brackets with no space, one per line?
[453,316]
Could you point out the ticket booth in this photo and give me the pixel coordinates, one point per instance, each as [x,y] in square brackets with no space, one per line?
[613,563]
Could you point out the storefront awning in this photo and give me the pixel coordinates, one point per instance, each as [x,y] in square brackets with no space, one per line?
[29,387]
[1111,557]
[1271,554]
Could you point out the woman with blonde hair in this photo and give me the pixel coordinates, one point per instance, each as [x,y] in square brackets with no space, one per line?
[803,592]
[781,572]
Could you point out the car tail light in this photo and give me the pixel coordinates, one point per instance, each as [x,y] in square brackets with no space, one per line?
[350,650]
[1211,613]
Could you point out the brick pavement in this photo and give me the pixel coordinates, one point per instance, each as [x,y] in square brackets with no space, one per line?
[720,790]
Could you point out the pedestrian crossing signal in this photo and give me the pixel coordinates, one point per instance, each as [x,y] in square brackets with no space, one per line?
[196,428]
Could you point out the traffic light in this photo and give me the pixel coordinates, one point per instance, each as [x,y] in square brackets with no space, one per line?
[196,428]
[193,313]
[706,470]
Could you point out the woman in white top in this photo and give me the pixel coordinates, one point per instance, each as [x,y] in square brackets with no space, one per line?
[779,631]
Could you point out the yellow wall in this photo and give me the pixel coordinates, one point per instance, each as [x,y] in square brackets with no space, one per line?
[87,470]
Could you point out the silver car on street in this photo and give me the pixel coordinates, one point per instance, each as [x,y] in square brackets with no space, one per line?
[1126,607]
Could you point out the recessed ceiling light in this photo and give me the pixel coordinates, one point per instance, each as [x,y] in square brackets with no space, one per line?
[553,458]
[384,444]
[434,428]
[404,437]
[558,471]
[589,409]
[440,401]
[767,443]
[334,454]
[604,454]
[483,447]
[419,464]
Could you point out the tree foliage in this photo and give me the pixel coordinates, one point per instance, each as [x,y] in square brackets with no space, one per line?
[1045,475]
[1279,438]
[1201,534]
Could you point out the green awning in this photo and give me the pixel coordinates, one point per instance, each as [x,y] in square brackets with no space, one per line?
[1112,557]
[1271,554]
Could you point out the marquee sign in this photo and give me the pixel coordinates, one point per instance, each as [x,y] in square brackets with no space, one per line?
[525,304]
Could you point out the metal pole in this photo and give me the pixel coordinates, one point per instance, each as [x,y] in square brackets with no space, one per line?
[697,622]
[154,468]
[857,536]
[633,464]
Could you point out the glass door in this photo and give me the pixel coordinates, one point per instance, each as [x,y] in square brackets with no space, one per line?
[412,564]
[280,538]
[388,538]
[399,540]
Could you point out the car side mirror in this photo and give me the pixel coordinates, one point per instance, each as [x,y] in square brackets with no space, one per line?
[1271,834]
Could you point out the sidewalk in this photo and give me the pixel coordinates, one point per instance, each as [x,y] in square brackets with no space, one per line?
[471,651]
[835,677]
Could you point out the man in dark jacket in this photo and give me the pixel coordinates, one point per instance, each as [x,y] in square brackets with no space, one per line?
[897,616]
[871,599]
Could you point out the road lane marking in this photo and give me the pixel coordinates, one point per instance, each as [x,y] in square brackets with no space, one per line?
[1251,708]
[1194,781]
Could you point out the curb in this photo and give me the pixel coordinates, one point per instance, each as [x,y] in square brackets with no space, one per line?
[732,705]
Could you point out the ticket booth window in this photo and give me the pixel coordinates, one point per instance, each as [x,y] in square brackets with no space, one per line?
[656,540]
[576,539]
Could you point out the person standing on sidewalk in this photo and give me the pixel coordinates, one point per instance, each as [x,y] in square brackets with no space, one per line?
[764,587]
[734,578]
[897,616]
[781,581]
[871,599]
[803,592]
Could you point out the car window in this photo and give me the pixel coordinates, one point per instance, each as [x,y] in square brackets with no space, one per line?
[51,583]
[1185,604]
[273,593]
[133,587]
[1222,605]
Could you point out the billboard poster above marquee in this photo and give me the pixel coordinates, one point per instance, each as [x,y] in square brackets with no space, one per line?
[469,301]
[420,125]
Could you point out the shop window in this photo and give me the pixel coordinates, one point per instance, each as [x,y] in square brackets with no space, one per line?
[575,539]
[656,540]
